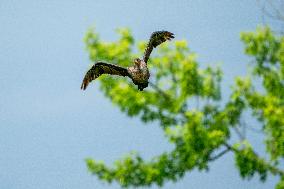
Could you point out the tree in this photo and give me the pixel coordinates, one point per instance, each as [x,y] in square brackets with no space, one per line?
[186,101]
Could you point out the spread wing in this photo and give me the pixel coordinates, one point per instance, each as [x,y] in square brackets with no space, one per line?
[102,68]
[156,39]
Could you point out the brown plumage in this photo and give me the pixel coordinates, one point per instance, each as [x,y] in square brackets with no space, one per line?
[102,68]
[156,39]
[139,72]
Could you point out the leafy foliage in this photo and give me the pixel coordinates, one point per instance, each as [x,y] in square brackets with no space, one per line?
[186,101]
[267,104]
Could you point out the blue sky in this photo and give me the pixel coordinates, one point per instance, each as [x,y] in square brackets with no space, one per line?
[48,126]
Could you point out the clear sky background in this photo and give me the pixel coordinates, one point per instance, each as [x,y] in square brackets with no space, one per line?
[48,126]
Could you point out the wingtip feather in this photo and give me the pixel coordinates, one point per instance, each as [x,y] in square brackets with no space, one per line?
[84,85]
[170,35]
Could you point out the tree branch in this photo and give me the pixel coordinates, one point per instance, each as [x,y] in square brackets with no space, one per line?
[274,170]
[159,90]
[219,155]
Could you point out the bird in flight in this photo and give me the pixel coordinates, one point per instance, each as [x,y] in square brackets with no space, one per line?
[138,73]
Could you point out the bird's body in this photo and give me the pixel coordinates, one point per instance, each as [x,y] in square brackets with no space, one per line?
[139,72]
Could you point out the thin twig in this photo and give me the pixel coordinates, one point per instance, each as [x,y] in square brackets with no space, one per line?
[240,135]
[159,90]
[274,170]
[219,155]
[173,75]
[165,95]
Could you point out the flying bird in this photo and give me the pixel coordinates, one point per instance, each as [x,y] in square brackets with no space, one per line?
[138,73]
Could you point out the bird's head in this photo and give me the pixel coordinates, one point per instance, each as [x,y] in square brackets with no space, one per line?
[137,61]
